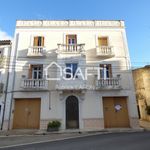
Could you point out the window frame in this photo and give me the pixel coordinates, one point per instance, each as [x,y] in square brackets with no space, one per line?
[72,69]
[100,37]
[32,71]
[40,41]
[105,71]
[70,37]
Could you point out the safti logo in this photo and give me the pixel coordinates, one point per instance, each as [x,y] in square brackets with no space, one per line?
[72,71]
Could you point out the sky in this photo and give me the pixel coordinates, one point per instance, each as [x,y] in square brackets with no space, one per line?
[135,13]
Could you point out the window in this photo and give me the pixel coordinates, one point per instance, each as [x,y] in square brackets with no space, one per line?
[102,41]
[72,68]
[71,39]
[36,71]
[38,41]
[105,71]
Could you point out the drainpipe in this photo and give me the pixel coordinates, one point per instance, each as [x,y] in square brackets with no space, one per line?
[6,87]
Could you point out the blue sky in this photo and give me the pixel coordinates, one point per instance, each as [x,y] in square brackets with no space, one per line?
[136,14]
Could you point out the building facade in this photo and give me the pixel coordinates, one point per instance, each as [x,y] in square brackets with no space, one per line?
[47,54]
[142,86]
[5,51]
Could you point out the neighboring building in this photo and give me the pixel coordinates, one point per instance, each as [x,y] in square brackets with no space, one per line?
[42,48]
[5,50]
[142,85]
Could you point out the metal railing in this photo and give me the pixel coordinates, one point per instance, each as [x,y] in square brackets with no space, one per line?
[108,83]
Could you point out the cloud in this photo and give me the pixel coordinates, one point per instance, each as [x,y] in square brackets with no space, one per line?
[4,35]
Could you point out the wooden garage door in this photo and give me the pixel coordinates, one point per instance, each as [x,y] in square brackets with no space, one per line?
[27,114]
[115,112]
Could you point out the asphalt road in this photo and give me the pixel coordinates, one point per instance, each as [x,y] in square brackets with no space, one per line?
[112,141]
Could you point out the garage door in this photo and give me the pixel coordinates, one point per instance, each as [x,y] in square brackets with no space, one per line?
[115,112]
[27,114]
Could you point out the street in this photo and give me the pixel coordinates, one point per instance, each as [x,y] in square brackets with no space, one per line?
[111,141]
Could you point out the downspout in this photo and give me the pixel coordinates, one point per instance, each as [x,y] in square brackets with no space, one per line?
[5,92]
[14,75]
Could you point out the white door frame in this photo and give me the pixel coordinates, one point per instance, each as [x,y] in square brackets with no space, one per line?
[63,98]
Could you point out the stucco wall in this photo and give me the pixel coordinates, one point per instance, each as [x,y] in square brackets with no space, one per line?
[53,101]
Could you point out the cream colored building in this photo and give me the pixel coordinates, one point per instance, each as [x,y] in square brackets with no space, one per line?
[142,85]
[90,104]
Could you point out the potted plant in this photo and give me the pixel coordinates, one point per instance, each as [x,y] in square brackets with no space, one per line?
[53,125]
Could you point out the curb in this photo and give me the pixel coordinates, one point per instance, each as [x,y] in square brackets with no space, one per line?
[42,133]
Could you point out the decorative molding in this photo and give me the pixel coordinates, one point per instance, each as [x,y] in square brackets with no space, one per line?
[63,96]
[69,23]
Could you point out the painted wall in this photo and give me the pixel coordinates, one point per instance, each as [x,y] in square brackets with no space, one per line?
[53,101]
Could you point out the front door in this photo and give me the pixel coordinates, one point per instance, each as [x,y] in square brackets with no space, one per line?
[72,113]
[27,114]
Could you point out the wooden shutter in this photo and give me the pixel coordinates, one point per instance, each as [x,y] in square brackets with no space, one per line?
[42,41]
[110,70]
[101,66]
[67,38]
[102,41]
[75,37]
[35,43]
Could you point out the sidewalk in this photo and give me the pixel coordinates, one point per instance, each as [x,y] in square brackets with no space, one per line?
[32,139]
[23,137]
[31,132]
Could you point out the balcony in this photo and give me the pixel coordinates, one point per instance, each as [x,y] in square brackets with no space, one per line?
[71,48]
[36,51]
[109,83]
[105,51]
[41,84]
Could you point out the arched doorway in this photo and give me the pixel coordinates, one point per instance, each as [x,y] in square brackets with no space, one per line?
[72,113]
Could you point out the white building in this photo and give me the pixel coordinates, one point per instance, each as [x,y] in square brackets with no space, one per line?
[105,100]
[5,51]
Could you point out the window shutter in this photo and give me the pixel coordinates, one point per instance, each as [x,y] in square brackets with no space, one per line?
[102,41]
[35,41]
[110,71]
[99,41]
[75,37]
[42,41]
[67,38]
